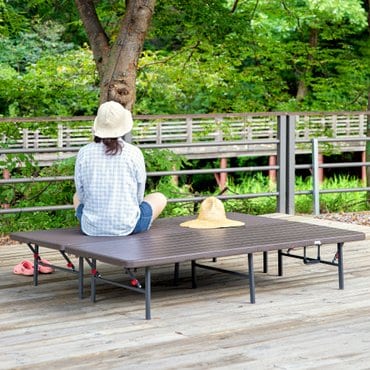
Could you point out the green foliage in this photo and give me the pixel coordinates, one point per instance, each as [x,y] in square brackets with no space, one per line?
[11,20]
[252,184]
[257,184]
[170,189]
[19,16]
[59,86]
[39,194]
[256,59]
[37,221]
[54,193]
[198,58]
[36,194]
[53,86]
[28,47]
[41,75]
[161,160]
[342,202]
[332,202]
[178,24]
[23,162]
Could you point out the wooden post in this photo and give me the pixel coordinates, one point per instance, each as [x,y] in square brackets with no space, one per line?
[60,136]
[221,178]
[189,130]
[175,178]
[25,138]
[6,176]
[363,168]
[272,173]
[321,170]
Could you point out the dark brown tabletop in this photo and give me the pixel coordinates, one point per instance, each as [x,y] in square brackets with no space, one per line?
[167,242]
[60,238]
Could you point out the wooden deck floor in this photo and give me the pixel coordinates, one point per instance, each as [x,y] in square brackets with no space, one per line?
[300,320]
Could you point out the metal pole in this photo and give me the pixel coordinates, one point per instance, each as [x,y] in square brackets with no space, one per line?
[290,166]
[193,274]
[265,262]
[93,280]
[80,277]
[340,265]
[148,293]
[252,287]
[281,160]
[315,177]
[280,262]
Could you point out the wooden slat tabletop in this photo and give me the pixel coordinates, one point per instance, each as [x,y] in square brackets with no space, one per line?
[168,242]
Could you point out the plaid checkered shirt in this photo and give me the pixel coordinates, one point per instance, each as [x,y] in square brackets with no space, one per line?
[111,187]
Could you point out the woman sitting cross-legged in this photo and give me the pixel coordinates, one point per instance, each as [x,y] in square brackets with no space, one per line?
[110,179]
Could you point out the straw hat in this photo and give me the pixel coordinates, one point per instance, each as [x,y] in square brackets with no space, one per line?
[112,121]
[211,216]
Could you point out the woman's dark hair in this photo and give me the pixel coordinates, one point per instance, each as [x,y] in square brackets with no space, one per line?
[113,146]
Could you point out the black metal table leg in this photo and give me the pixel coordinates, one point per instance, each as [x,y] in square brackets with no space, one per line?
[193,274]
[340,265]
[80,277]
[176,274]
[252,289]
[147,293]
[93,280]
[265,262]
[280,262]
[36,265]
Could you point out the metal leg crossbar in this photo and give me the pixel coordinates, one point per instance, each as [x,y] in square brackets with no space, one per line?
[135,285]
[70,267]
[96,275]
[250,274]
[336,261]
[305,258]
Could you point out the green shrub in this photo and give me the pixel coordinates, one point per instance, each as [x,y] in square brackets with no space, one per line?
[60,193]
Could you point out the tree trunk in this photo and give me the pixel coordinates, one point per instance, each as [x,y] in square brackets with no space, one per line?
[117,64]
[302,87]
[119,80]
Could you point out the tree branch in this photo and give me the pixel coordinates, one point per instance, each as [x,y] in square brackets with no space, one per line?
[98,39]
[235,5]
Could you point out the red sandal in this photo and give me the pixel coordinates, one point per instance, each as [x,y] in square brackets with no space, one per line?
[24,268]
[45,269]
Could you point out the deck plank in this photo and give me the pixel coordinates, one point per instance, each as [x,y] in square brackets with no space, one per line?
[300,320]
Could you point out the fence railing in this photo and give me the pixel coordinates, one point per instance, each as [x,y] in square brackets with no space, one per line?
[285,142]
[71,132]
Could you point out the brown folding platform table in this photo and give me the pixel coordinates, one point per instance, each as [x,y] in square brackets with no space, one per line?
[168,243]
[59,239]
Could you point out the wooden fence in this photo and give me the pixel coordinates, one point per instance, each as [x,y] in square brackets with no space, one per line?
[184,130]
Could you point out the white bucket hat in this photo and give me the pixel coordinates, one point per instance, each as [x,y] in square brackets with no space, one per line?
[211,216]
[112,121]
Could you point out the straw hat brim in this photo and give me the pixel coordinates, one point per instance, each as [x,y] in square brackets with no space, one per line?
[204,224]
[119,131]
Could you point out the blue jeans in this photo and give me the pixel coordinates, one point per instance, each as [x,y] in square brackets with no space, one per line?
[145,220]
[143,223]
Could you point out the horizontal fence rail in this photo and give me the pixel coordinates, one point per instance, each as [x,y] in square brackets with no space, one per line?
[189,129]
[282,135]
